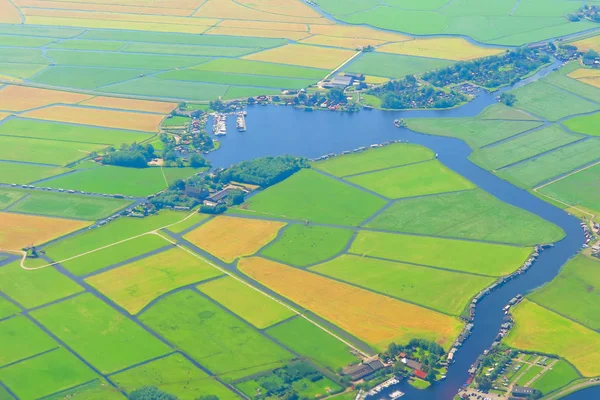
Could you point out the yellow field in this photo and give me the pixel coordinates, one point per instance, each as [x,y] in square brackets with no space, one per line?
[375,80]
[589,76]
[3,115]
[246,302]
[295,8]
[9,13]
[134,286]
[89,116]
[228,238]
[269,26]
[109,24]
[265,33]
[130,104]
[349,31]
[20,230]
[56,5]
[20,98]
[374,318]
[348,43]
[229,9]
[539,329]
[304,55]
[591,43]
[446,48]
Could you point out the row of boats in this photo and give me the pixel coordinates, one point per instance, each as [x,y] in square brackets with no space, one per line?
[384,385]
[220,123]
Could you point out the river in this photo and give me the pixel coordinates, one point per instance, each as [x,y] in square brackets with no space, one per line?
[278,130]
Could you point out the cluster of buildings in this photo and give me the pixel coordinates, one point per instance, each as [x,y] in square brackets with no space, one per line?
[344,81]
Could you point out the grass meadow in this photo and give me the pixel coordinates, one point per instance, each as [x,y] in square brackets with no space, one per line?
[21,339]
[37,287]
[302,245]
[99,333]
[586,124]
[539,329]
[304,56]
[313,343]
[7,308]
[375,159]
[420,179]
[240,66]
[445,291]
[394,65]
[84,77]
[448,48]
[46,374]
[474,257]
[19,173]
[97,389]
[164,88]
[175,375]
[229,238]
[49,152]
[561,374]
[215,338]
[579,189]
[470,214]
[196,218]
[309,195]
[246,302]
[563,79]
[560,161]
[575,292]
[500,111]
[9,196]
[357,311]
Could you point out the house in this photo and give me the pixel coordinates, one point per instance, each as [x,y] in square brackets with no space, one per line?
[420,374]
[520,391]
[341,81]
[356,372]
[412,364]
[217,197]
[358,77]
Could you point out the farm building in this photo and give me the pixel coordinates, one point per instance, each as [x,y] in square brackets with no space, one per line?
[341,81]
[356,372]
[412,364]
[520,391]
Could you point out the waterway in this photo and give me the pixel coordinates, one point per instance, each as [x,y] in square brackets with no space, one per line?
[278,130]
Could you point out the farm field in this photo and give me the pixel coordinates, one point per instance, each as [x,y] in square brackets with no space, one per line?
[578,189]
[310,341]
[213,337]
[574,292]
[7,309]
[21,98]
[588,76]
[590,43]
[163,88]
[97,389]
[24,230]
[473,257]
[82,321]
[539,329]
[420,179]
[21,339]
[309,195]
[251,305]
[549,165]
[378,320]
[561,374]
[68,206]
[46,374]
[302,245]
[457,49]
[586,124]
[133,286]
[175,375]
[562,78]
[240,66]
[470,214]
[445,291]
[121,180]
[375,159]
[35,288]
[20,173]
[190,222]
[9,196]
[83,77]
[130,104]
[48,152]
[304,56]
[522,147]
[500,111]
[393,65]
[229,238]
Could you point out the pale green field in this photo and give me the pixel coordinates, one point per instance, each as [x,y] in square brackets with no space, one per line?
[20,339]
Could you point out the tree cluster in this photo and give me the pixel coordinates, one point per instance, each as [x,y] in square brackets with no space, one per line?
[153,393]
[588,12]
[134,156]
[280,382]
[265,171]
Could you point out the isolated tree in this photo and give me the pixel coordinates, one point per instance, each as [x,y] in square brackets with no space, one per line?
[484,383]
[196,161]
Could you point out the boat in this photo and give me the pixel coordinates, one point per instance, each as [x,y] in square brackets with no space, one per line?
[399,123]
[396,394]
[240,122]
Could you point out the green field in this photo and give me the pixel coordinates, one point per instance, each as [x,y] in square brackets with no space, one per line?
[46,374]
[20,339]
[69,206]
[85,77]
[82,44]
[99,333]
[561,374]
[29,128]
[309,195]
[43,31]
[133,286]
[471,214]
[313,343]
[420,179]
[27,56]
[7,308]
[120,180]
[545,100]
[379,158]
[555,163]
[155,87]
[522,147]
[445,291]
[37,287]
[9,196]
[20,70]
[236,79]
[394,65]
[302,245]
[241,93]
[539,329]
[122,60]
[188,50]
[50,152]
[251,305]
[23,41]
[176,121]
[560,79]
[586,124]
[239,66]
[475,131]
[194,219]
[501,112]
[531,373]
[475,257]
[98,389]
[575,292]
[175,375]
[116,231]
[579,189]
[213,337]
